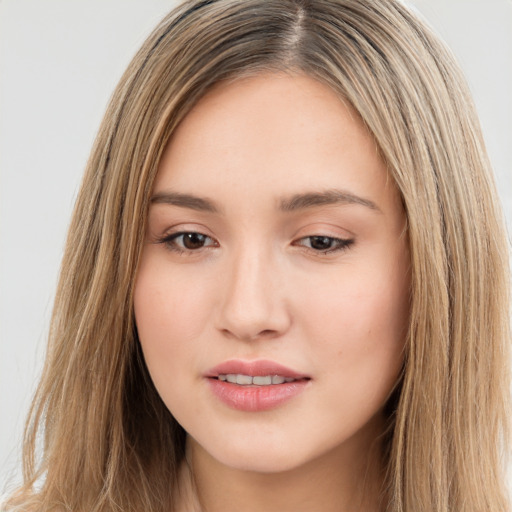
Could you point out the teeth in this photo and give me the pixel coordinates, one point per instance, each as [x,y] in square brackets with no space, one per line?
[262,381]
[259,380]
[244,380]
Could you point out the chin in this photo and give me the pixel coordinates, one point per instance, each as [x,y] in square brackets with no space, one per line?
[259,455]
[260,461]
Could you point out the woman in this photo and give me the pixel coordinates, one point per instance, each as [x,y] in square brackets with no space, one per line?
[285,283]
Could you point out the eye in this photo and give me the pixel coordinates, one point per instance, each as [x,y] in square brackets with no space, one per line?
[188,241]
[324,244]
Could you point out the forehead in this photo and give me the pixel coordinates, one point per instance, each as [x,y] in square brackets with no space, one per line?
[274,135]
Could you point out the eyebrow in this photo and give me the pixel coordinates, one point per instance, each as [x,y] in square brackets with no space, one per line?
[296,202]
[325,198]
[185,201]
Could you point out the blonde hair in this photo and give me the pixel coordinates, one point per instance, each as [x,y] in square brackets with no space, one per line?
[108,441]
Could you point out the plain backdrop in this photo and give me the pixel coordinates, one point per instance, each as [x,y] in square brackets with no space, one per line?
[59,63]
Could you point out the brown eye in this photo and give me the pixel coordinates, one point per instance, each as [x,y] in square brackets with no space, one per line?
[321,243]
[325,244]
[188,241]
[194,240]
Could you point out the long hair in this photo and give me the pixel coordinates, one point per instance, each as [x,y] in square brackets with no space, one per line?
[107,440]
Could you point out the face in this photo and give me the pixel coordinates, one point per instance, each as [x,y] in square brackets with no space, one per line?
[271,300]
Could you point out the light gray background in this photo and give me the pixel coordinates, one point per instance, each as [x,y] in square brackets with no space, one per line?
[59,63]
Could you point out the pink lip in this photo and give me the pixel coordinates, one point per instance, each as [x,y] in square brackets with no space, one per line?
[254,368]
[255,398]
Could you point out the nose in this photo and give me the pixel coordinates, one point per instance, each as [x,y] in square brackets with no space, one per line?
[253,304]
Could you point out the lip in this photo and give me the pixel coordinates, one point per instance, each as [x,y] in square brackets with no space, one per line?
[255,368]
[255,398]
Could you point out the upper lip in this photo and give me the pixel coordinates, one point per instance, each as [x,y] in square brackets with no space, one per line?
[254,368]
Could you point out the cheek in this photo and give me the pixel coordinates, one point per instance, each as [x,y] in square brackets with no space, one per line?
[359,321]
[170,313]
[359,307]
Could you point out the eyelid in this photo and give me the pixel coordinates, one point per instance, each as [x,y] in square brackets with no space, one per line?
[324,227]
[170,237]
[168,230]
[337,242]
[341,244]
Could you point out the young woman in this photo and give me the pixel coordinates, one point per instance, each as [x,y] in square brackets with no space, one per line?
[285,284]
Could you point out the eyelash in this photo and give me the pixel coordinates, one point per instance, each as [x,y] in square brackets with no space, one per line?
[339,244]
[170,242]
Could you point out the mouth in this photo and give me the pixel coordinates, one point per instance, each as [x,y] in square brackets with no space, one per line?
[253,386]
[260,372]
[256,380]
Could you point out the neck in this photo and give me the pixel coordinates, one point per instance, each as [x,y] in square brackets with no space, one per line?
[347,479]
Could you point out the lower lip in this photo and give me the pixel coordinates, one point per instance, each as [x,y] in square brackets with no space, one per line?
[256,398]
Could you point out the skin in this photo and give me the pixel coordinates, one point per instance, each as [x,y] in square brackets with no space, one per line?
[260,288]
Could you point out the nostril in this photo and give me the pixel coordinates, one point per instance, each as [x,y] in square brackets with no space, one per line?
[248,336]
[267,333]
